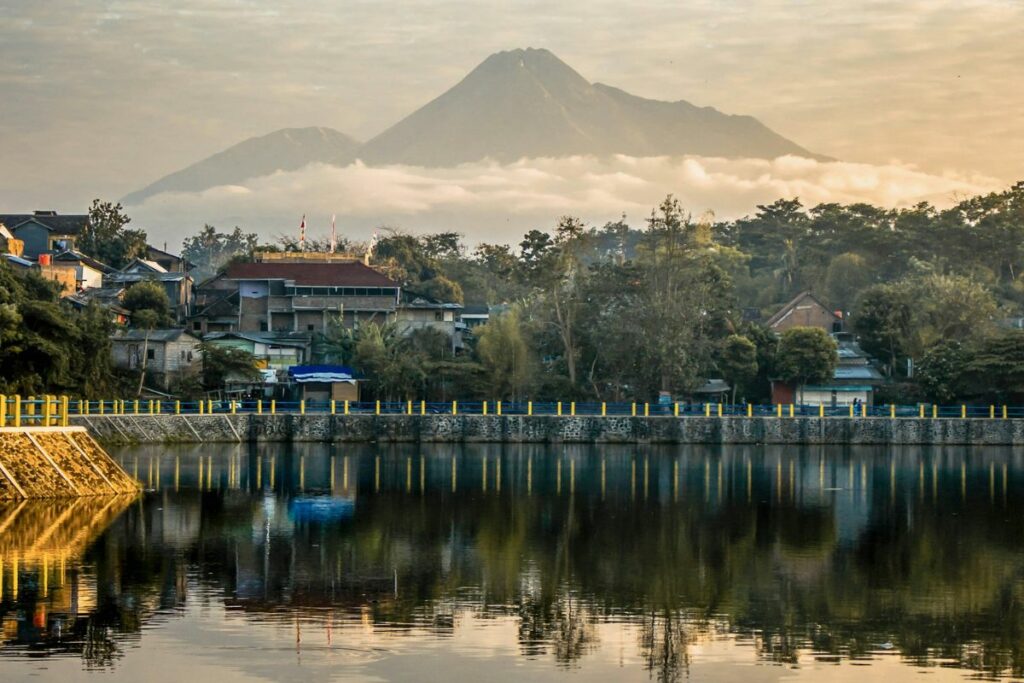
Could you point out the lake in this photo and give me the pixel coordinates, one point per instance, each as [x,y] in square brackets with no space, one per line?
[608,563]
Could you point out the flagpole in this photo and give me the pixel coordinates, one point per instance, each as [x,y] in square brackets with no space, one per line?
[334,239]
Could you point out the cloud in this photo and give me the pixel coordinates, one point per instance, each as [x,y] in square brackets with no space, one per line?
[498,202]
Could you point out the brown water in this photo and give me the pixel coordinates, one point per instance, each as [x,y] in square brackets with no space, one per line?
[320,563]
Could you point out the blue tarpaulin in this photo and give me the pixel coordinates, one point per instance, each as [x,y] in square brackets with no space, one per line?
[321,373]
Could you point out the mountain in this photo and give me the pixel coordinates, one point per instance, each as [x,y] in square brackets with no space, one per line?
[516,104]
[529,103]
[287,149]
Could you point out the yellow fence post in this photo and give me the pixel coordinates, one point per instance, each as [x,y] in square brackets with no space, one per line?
[455,407]
[209,406]
[423,407]
[572,408]
[920,411]
[346,407]
[675,409]
[273,406]
[707,410]
[46,410]
[30,410]
[892,411]
[177,407]
[559,408]
[136,406]
[377,407]
[821,410]
[201,404]
[1004,411]
[3,410]
[851,410]
[259,406]
[719,410]
[234,406]
[634,409]
[963,411]
[647,409]
[64,411]
[935,411]
[302,407]
[778,409]
[498,406]
[791,410]
[17,410]
[529,408]
[604,409]
[484,409]
[991,412]
[334,405]
[750,410]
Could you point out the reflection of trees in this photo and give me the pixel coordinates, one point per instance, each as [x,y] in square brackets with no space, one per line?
[937,578]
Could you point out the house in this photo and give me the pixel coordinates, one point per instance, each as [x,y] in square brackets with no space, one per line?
[86,272]
[806,310]
[109,299]
[63,275]
[303,297]
[854,379]
[417,312]
[167,354]
[271,350]
[45,231]
[325,382]
[9,244]
[172,263]
[20,265]
[178,285]
[474,315]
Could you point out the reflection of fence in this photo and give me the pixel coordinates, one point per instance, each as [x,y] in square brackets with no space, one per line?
[61,407]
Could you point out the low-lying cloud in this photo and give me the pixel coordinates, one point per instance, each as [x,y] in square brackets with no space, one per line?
[498,203]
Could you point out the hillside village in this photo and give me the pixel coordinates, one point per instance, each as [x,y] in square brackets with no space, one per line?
[582,313]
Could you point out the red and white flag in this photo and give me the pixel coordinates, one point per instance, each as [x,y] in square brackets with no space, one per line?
[334,239]
[302,233]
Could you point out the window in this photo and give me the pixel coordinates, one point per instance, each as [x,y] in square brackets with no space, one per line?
[150,354]
[438,315]
[183,354]
[310,327]
[263,326]
[449,316]
[197,326]
[189,356]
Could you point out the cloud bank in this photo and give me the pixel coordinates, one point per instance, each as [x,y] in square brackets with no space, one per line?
[499,202]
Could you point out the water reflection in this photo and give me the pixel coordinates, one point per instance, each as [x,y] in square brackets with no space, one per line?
[605,559]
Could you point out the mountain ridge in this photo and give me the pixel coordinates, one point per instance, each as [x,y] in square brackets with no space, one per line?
[516,104]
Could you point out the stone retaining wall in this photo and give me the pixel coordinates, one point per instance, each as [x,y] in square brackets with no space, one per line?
[550,429]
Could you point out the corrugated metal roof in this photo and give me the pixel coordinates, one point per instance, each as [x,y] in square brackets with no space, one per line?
[164,335]
[313,274]
[71,224]
[856,372]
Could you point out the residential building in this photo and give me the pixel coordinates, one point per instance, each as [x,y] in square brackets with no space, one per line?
[9,244]
[271,350]
[806,310]
[325,382]
[177,284]
[474,315]
[86,272]
[418,312]
[855,379]
[172,263]
[304,297]
[45,231]
[108,298]
[168,355]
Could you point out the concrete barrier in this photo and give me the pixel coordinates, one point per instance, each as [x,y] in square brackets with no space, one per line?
[550,429]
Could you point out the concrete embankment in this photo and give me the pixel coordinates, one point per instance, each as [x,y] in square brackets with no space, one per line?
[549,429]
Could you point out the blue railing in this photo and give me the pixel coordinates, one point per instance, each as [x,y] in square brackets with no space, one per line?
[538,408]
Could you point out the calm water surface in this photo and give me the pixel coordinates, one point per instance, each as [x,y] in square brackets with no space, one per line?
[318,563]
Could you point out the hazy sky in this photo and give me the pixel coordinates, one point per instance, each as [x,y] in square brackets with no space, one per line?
[100,98]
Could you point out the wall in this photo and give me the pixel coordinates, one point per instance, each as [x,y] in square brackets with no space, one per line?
[550,429]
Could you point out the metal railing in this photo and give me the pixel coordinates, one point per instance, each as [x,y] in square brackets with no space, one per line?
[55,410]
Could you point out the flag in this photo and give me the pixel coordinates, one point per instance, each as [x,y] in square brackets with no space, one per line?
[302,233]
[334,239]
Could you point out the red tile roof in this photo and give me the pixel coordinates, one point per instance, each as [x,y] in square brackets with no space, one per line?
[313,274]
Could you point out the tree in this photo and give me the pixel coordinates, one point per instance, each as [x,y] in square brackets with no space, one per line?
[940,372]
[107,238]
[883,319]
[441,289]
[222,364]
[806,355]
[209,250]
[738,362]
[505,355]
[847,275]
[997,368]
[148,296]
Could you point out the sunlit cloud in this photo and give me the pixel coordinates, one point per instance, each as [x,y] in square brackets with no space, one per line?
[494,202]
